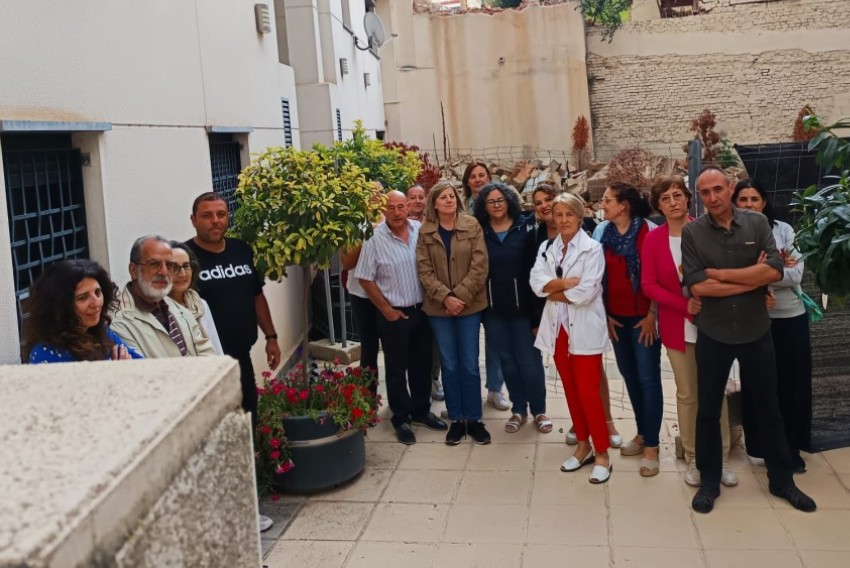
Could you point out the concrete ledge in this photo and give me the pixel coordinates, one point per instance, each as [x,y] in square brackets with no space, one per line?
[88,449]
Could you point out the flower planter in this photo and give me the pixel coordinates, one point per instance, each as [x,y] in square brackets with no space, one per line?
[323,458]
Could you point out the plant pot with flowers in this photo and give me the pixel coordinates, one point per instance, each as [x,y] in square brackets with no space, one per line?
[299,208]
[315,420]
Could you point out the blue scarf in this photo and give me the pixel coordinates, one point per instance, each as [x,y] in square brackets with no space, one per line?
[625,245]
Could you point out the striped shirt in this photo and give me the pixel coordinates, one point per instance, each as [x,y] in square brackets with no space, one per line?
[390,263]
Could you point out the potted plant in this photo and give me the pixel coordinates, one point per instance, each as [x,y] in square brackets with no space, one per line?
[823,231]
[314,419]
[299,208]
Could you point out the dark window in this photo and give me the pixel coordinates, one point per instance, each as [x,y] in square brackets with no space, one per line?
[287,122]
[338,125]
[46,206]
[226,165]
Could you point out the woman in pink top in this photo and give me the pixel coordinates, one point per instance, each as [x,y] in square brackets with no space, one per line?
[661,280]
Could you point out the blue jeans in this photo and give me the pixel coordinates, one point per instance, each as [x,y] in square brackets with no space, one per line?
[495,379]
[641,370]
[457,339]
[521,362]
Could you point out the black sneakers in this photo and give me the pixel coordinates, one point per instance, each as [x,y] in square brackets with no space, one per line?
[793,495]
[457,432]
[704,499]
[478,432]
[431,421]
[404,434]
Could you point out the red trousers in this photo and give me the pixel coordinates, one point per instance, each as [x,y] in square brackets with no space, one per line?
[580,375]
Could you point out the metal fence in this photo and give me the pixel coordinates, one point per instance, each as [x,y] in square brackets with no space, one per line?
[46,207]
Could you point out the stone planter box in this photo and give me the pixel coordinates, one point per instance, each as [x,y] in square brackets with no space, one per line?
[323,458]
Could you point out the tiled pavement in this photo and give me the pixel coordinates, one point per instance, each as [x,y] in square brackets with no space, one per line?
[508,505]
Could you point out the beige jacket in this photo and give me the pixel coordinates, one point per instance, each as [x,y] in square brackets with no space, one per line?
[144,333]
[469,266]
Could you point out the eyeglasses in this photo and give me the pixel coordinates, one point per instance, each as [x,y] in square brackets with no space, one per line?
[496,202]
[173,267]
[670,197]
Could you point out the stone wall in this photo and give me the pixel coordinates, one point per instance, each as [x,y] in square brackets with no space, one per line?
[753,64]
[142,463]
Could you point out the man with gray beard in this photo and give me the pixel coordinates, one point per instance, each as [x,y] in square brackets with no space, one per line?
[147,319]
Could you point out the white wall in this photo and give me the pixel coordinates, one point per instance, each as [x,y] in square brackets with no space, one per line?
[315,32]
[161,72]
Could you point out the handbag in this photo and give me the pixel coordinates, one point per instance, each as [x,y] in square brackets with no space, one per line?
[812,307]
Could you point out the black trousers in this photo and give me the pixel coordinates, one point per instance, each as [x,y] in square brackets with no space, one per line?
[408,347]
[757,362]
[366,318]
[249,385]
[793,347]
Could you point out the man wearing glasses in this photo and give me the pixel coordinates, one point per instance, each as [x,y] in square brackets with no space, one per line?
[147,319]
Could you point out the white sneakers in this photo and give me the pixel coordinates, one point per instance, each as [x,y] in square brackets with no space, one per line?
[498,401]
[265,523]
[727,477]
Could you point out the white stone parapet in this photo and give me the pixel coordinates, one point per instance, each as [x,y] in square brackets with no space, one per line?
[131,463]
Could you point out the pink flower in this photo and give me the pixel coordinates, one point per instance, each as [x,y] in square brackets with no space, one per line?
[274,442]
[274,454]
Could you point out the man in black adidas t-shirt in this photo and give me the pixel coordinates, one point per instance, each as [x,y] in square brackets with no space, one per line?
[233,289]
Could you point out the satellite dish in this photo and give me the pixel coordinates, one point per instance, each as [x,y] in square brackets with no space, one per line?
[374,29]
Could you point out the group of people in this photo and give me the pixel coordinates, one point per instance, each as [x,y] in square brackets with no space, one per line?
[184,299]
[548,286]
[552,286]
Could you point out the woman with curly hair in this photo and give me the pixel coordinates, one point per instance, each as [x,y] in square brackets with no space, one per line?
[70,315]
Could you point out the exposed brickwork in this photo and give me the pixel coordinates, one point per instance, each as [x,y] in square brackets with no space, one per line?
[650,100]
[774,15]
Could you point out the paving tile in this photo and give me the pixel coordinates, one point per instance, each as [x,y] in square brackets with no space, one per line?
[729,528]
[478,556]
[559,488]
[494,488]
[632,489]
[389,555]
[826,529]
[422,486]
[750,558]
[486,524]
[838,459]
[298,554]
[329,521]
[557,556]
[817,463]
[502,457]
[550,456]
[367,486]
[281,512]
[585,525]
[266,545]
[658,557]
[824,559]
[434,456]
[671,526]
[406,522]
[382,432]
[383,455]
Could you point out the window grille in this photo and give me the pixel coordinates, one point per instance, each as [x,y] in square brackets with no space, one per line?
[226,164]
[338,125]
[287,122]
[46,207]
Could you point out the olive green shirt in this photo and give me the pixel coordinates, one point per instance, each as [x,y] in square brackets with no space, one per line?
[741,318]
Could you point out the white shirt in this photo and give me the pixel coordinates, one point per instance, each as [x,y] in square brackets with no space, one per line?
[676,251]
[390,263]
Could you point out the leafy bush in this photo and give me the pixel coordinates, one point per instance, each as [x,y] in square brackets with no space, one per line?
[393,167]
[429,174]
[823,232]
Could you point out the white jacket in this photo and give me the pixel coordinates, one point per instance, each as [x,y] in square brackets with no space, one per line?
[588,322]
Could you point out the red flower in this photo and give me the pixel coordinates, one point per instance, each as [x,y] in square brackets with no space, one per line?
[356,413]
[274,442]
[275,454]
[287,466]
[356,371]
[260,391]
[304,394]
[320,388]
[265,429]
